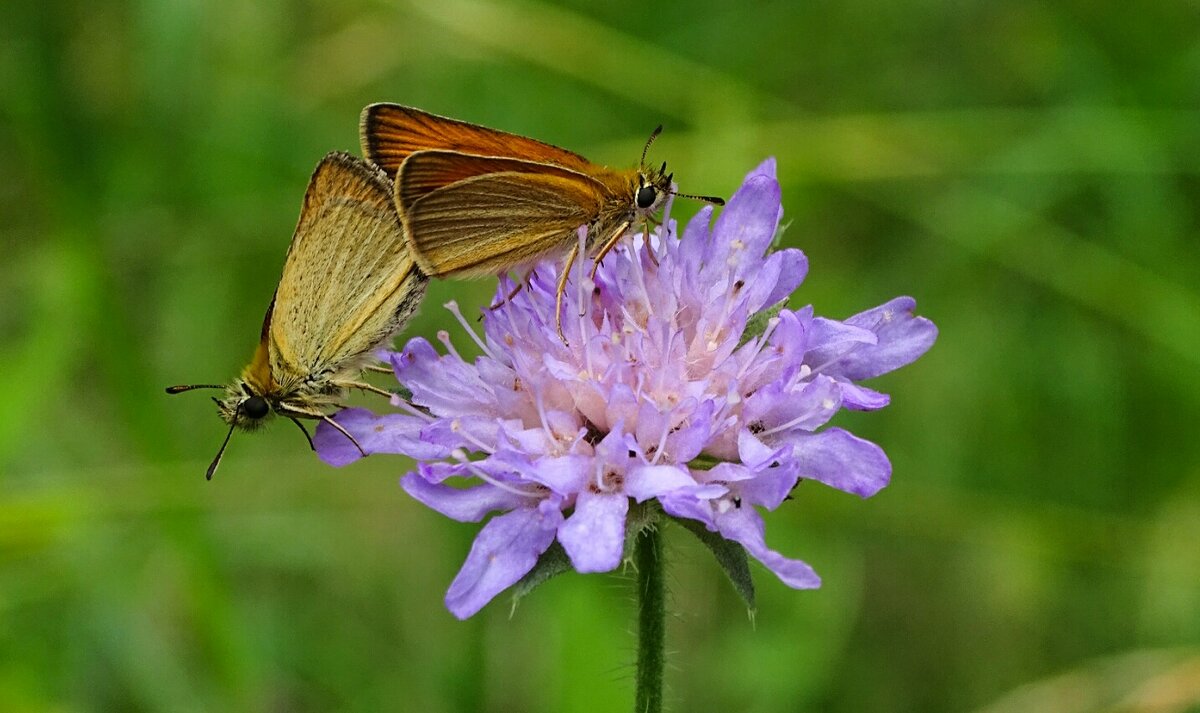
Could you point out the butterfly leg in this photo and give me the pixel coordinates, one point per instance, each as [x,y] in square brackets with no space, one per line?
[345,433]
[562,287]
[363,386]
[292,412]
[303,430]
[607,247]
[646,237]
[378,369]
[520,286]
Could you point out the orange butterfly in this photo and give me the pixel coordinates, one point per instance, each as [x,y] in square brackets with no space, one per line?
[477,201]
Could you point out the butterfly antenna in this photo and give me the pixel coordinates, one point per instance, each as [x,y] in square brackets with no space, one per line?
[217,461]
[707,199]
[653,135]
[179,389]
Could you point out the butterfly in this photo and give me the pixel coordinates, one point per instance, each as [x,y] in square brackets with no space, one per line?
[350,283]
[477,201]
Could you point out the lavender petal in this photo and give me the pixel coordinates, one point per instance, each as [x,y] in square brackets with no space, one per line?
[746,526]
[389,433]
[594,535]
[842,460]
[644,482]
[462,504]
[902,338]
[505,549]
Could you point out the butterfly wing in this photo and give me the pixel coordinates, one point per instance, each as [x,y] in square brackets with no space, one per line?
[390,133]
[349,282]
[493,222]
[428,170]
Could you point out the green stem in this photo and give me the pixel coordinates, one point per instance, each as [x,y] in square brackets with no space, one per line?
[648,558]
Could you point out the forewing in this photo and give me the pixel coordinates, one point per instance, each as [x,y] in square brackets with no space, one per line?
[389,133]
[429,170]
[349,282]
[491,223]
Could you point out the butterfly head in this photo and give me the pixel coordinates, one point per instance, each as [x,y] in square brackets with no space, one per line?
[242,407]
[655,184]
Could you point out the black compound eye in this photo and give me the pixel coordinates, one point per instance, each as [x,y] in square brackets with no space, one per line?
[255,407]
[646,196]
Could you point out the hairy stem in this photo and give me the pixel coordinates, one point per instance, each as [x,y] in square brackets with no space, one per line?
[648,558]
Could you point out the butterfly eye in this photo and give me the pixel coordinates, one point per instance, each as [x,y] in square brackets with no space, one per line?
[255,407]
[646,196]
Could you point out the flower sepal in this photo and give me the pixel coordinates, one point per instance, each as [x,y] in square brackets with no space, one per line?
[758,322]
[730,556]
[553,562]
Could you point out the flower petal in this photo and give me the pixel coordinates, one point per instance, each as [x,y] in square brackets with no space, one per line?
[766,168]
[448,386]
[461,432]
[860,398]
[771,486]
[689,439]
[745,227]
[504,551]
[791,337]
[643,482]
[594,535]
[903,338]
[696,237]
[462,504]
[727,473]
[793,269]
[390,433]
[693,506]
[753,452]
[745,525]
[565,475]
[842,460]
[830,340]
[613,450]
[779,408]
[441,471]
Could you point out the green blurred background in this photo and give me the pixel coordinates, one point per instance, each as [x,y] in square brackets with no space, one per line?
[1027,171]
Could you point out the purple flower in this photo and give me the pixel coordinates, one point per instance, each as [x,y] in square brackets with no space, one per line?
[683,383]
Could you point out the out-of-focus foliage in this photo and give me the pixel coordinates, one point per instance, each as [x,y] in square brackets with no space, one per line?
[1027,171]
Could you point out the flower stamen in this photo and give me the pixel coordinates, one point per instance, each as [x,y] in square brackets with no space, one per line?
[482,475]
[456,427]
[452,305]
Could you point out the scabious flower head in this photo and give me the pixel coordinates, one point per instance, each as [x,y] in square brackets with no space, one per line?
[682,383]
